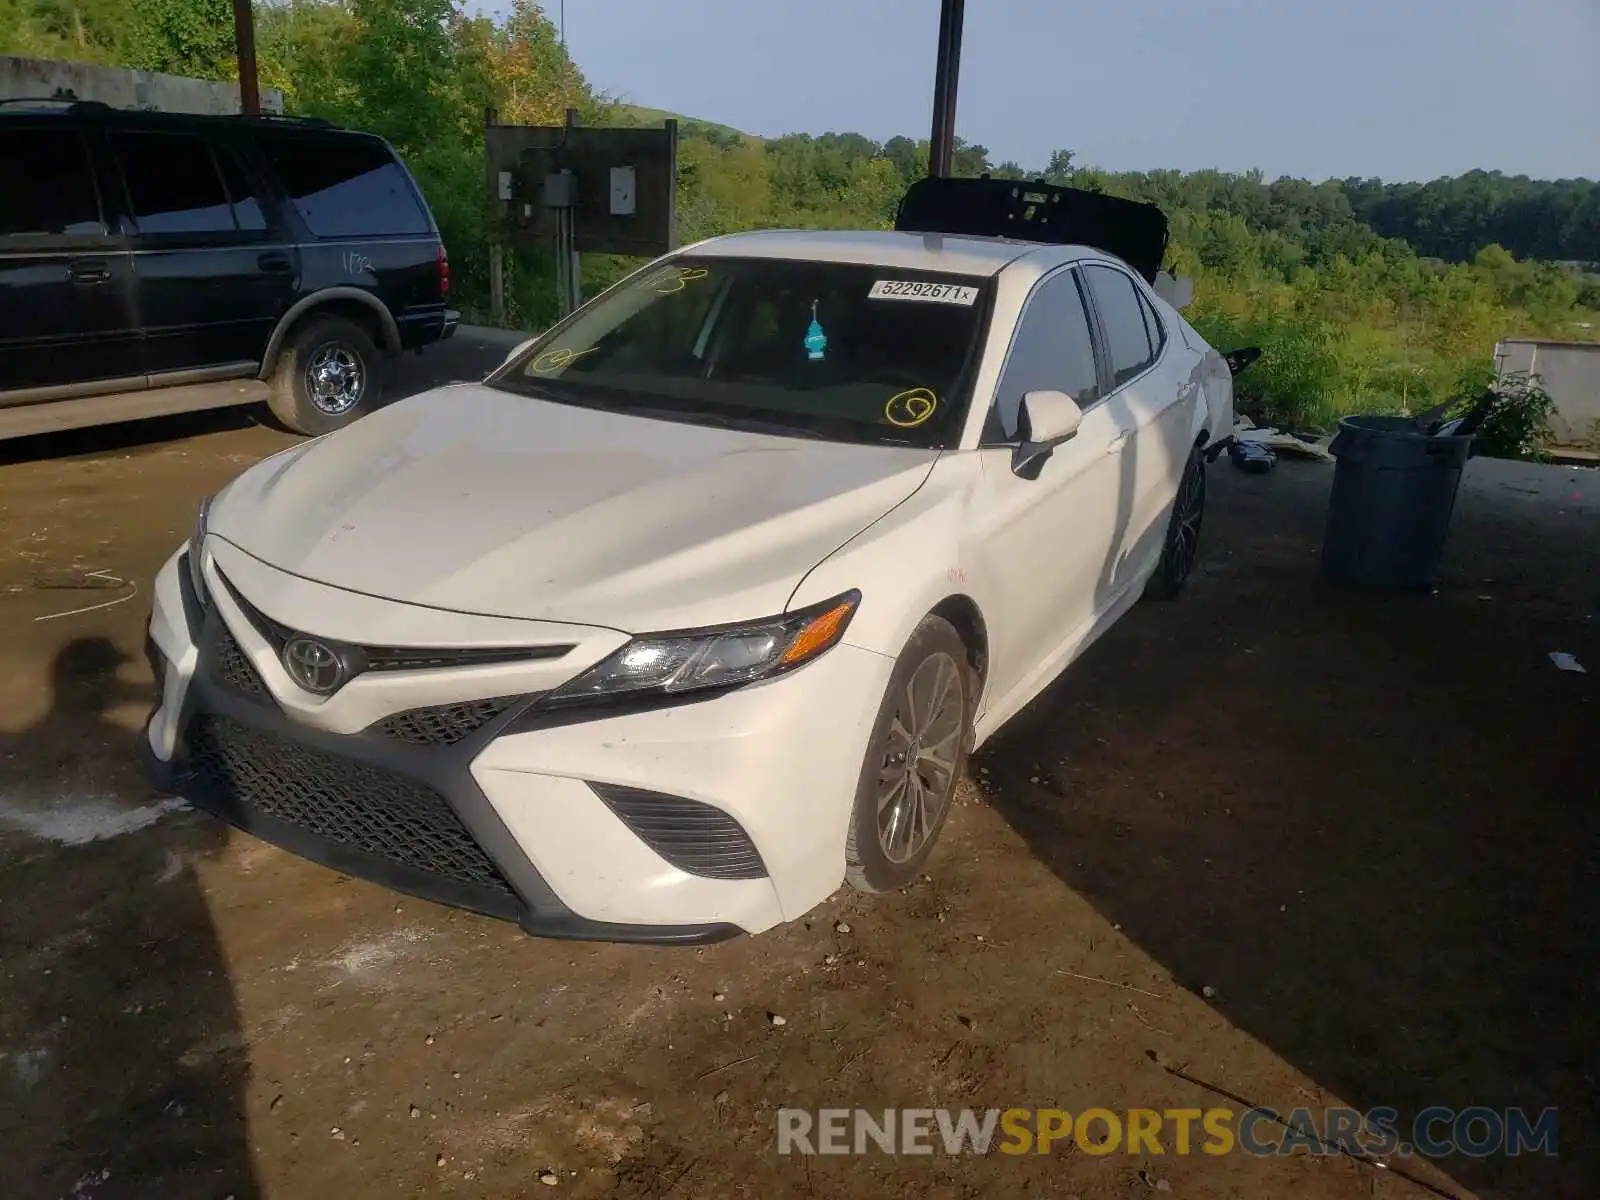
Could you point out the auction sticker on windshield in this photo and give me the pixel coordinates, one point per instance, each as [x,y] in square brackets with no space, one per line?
[912,289]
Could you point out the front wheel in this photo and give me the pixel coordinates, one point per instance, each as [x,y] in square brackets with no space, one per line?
[917,753]
[1182,547]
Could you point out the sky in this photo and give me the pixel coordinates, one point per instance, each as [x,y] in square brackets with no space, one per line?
[1398,89]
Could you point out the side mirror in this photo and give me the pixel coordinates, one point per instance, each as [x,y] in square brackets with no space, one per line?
[1238,360]
[1047,419]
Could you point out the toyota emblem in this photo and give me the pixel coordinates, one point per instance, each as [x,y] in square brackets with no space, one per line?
[313,666]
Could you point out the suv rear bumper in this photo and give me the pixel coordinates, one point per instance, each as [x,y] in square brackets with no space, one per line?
[419,329]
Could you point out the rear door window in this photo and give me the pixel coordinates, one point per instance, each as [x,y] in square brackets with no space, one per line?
[48,190]
[173,184]
[346,186]
[1122,314]
[247,205]
[1152,323]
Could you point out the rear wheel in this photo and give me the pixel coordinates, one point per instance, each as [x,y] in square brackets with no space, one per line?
[329,374]
[1182,546]
[917,753]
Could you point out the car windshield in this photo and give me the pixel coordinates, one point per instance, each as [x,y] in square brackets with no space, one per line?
[835,350]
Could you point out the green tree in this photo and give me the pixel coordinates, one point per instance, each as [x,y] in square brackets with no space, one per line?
[183,37]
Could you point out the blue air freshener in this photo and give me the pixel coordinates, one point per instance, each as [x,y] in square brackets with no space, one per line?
[816,342]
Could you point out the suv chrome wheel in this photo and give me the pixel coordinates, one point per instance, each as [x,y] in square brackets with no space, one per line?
[334,379]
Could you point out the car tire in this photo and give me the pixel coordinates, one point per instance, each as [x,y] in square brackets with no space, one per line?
[927,705]
[328,374]
[1182,546]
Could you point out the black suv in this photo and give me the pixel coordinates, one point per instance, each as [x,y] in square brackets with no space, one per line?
[155,262]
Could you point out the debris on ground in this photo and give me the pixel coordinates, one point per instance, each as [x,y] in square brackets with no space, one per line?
[1280,440]
[1567,662]
[1253,458]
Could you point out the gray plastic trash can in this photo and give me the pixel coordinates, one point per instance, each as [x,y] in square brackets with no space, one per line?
[1394,489]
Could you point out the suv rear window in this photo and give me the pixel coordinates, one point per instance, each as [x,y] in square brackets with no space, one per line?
[346,186]
[48,189]
[845,351]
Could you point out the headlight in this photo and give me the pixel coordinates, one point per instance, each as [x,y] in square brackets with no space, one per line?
[672,664]
[197,577]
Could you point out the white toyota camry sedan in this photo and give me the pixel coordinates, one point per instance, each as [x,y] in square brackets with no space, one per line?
[695,608]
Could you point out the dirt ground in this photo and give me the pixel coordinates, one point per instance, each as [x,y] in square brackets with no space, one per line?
[1314,848]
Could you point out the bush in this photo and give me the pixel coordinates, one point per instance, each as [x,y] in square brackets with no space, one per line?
[1518,423]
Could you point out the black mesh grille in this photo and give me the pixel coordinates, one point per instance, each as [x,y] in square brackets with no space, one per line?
[693,837]
[357,806]
[231,665]
[443,724]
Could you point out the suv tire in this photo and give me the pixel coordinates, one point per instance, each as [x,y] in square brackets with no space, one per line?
[328,374]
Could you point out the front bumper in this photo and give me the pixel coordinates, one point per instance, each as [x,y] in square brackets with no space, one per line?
[519,817]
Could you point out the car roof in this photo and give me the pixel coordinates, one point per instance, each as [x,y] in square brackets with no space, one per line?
[912,251]
[34,111]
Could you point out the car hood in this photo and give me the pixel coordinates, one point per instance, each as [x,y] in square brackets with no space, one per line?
[478,500]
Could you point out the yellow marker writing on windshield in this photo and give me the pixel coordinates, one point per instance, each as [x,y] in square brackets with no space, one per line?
[678,279]
[910,408]
[554,360]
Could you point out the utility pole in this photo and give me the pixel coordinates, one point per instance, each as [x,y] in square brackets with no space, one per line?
[244,36]
[942,145]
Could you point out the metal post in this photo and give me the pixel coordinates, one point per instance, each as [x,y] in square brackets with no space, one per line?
[497,284]
[244,36]
[942,145]
[566,259]
[574,267]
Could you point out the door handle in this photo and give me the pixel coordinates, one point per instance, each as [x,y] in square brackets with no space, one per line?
[1115,445]
[275,264]
[88,273]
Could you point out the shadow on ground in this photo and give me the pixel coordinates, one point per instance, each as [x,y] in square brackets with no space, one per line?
[124,1068]
[1369,824]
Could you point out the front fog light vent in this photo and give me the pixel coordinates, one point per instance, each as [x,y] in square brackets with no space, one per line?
[698,839]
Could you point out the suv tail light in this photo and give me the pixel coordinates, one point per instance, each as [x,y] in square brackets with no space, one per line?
[444,274]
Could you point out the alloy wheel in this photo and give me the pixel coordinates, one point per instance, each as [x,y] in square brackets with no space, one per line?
[1188,513]
[917,777]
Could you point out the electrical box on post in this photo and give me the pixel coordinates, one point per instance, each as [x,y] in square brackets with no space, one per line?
[560,190]
[624,190]
[620,193]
